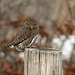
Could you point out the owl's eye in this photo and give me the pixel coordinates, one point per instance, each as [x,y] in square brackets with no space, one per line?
[28,25]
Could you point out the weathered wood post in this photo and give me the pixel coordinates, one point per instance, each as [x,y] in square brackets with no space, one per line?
[42,61]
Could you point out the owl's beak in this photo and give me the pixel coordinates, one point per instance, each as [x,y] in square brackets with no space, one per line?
[31,27]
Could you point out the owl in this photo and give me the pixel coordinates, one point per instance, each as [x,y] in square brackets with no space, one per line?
[26,35]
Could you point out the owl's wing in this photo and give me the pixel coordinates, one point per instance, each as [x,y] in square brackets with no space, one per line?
[20,37]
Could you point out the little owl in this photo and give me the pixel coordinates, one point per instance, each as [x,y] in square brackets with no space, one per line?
[26,36]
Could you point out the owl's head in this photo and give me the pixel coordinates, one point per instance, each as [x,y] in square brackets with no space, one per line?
[31,24]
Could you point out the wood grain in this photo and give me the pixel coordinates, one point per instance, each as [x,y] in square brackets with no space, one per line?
[42,62]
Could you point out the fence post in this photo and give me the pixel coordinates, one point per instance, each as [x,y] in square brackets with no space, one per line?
[44,61]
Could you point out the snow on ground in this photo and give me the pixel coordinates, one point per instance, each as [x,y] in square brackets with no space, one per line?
[66,46]
[21,55]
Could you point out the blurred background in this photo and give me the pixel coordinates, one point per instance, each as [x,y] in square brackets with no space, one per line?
[57,30]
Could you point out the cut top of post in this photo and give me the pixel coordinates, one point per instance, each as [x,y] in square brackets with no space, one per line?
[44,49]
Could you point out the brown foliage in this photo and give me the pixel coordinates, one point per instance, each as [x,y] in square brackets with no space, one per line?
[13,68]
[70,70]
[66,28]
[42,31]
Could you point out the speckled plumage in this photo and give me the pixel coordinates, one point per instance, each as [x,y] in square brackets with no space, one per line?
[26,35]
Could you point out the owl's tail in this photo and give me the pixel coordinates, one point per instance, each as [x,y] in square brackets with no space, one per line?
[6,46]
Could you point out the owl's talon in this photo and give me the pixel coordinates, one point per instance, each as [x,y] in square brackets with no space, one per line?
[30,47]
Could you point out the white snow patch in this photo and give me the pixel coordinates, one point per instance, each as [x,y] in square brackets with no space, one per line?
[43,41]
[67,47]
[57,42]
[21,55]
[67,50]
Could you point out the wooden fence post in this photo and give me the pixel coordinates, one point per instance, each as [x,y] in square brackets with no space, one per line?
[42,61]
